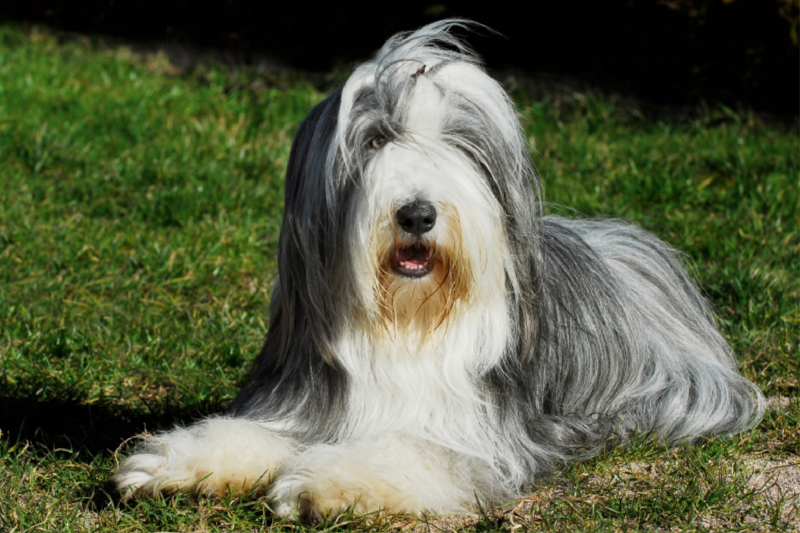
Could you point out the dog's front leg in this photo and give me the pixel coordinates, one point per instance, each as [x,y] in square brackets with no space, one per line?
[397,474]
[214,456]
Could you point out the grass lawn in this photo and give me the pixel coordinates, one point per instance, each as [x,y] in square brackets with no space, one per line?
[139,214]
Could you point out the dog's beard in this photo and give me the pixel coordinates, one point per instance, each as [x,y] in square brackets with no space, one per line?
[421,283]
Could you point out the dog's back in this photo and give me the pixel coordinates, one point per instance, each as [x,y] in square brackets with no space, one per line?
[624,332]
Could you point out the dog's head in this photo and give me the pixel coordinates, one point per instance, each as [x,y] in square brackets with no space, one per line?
[411,201]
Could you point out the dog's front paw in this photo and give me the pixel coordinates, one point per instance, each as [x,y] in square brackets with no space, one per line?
[137,474]
[297,496]
[398,475]
[216,456]
[366,477]
[160,467]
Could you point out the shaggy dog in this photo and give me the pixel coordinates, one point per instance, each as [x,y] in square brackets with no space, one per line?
[435,342]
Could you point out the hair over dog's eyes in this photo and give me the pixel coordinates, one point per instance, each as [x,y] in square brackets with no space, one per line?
[376,142]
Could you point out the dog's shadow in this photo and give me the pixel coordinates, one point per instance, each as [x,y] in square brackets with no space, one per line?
[64,423]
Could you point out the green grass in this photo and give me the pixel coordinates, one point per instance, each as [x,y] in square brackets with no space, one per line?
[139,212]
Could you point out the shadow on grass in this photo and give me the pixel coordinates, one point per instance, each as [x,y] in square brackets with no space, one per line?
[64,424]
[63,421]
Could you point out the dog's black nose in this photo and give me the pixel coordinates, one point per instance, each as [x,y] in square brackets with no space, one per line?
[417,218]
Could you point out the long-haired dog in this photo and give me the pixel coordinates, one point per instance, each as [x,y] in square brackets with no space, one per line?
[435,342]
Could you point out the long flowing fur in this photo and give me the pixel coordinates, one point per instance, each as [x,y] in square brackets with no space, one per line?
[532,339]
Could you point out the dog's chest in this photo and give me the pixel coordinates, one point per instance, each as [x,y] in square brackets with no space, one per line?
[418,394]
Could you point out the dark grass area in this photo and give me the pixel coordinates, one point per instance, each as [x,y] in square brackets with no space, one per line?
[670,52]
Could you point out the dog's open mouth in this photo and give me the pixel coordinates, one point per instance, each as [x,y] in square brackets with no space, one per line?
[412,261]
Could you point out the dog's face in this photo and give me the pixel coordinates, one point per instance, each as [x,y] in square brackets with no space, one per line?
[428,229]
[411,193]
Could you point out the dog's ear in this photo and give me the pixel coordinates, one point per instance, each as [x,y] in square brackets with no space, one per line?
[309,155]
[297,352]
[309,254]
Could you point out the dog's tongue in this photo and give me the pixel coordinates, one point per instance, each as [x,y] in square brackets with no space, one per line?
[413,256]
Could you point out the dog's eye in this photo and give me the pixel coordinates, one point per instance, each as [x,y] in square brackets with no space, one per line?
[376,142]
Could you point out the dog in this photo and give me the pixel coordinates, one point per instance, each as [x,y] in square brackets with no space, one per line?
[435,342]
